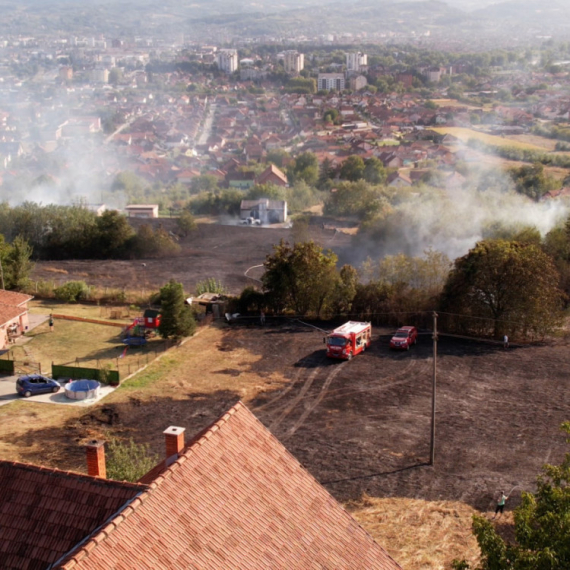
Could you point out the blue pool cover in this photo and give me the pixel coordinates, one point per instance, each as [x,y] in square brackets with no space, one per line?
[82,385]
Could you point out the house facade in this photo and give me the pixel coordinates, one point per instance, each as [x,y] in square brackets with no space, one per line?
[265,210]
[13,315]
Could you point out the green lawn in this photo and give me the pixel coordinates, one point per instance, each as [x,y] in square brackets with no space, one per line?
[89,311]
[84,344]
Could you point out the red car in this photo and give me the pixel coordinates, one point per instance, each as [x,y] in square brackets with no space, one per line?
[404,338]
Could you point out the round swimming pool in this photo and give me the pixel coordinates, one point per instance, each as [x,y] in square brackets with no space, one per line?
[82,389]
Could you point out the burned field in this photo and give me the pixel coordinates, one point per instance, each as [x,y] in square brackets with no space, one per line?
[364,426]
[222,252]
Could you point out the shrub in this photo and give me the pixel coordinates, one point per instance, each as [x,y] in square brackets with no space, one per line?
[129,461]
[72,291]
[210,285]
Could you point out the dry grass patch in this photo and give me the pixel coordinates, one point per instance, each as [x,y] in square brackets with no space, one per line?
[464,135]
[420,535]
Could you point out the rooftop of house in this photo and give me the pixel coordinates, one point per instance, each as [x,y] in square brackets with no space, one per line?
[13,298]
[44,513]
[234,498]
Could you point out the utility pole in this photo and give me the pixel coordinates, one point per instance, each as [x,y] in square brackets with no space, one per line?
[1,273]
[433,393]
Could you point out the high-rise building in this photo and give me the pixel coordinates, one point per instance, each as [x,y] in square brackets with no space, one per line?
[294,61]
[356,60]
[227,60]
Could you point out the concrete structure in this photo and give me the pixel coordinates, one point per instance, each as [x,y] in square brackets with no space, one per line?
[142,211]
[264,210]
[358,82]
[356,60]
[227,60]
[99,75]
[293,61]
[330,81]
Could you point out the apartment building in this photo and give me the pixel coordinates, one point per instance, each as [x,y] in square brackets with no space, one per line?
[356,60]
[330,81]
[227,60]
[294,61]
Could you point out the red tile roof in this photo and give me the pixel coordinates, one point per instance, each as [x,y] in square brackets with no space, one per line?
[13,298]
[44,513]
[235,498]
[9,313]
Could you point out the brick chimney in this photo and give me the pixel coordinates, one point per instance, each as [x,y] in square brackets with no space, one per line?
[174,440]
[95,451]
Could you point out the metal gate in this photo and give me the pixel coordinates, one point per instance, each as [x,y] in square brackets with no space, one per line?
[27,367]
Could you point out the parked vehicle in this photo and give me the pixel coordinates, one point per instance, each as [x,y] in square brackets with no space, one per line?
[404,338]
[350,339]
[36,384]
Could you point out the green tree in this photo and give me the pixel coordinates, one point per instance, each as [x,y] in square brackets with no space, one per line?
[326,174]
[114,232]
[129,461]
[176,319]
[345,290]
[542,527]
[374,171]
[204,183]
[513,285]
[186,223]
[352,168]
[300,277]
[305,167]
[18,265]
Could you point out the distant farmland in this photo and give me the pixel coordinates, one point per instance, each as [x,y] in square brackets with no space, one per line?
[464,135]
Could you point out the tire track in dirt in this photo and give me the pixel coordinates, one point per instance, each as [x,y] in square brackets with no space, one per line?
[316,402]
[287,389]
[290,406]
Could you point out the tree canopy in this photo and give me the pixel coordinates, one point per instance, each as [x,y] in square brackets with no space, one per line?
[507,286]
[301,277]
[176,319]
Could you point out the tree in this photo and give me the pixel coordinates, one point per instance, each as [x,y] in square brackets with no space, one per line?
[186,223]
[300,277]
[176,319]
[304,167]
[17,264]
[345,290]
[204,183]
[513,285]
[542,527]
[352,168]
[113,231]
[129,461]
[326,174]
[374,171]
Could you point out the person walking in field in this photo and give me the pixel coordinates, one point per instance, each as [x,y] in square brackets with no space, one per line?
[499,509]
[51,323]
[505,342]
[262,318]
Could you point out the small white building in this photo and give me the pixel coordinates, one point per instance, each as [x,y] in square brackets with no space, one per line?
[142,211]
[265,210]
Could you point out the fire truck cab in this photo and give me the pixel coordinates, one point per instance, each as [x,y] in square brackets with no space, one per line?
[350,339]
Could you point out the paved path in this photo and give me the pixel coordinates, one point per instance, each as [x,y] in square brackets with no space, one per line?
[8,394]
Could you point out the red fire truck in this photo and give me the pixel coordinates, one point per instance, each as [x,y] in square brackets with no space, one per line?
[350,339]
